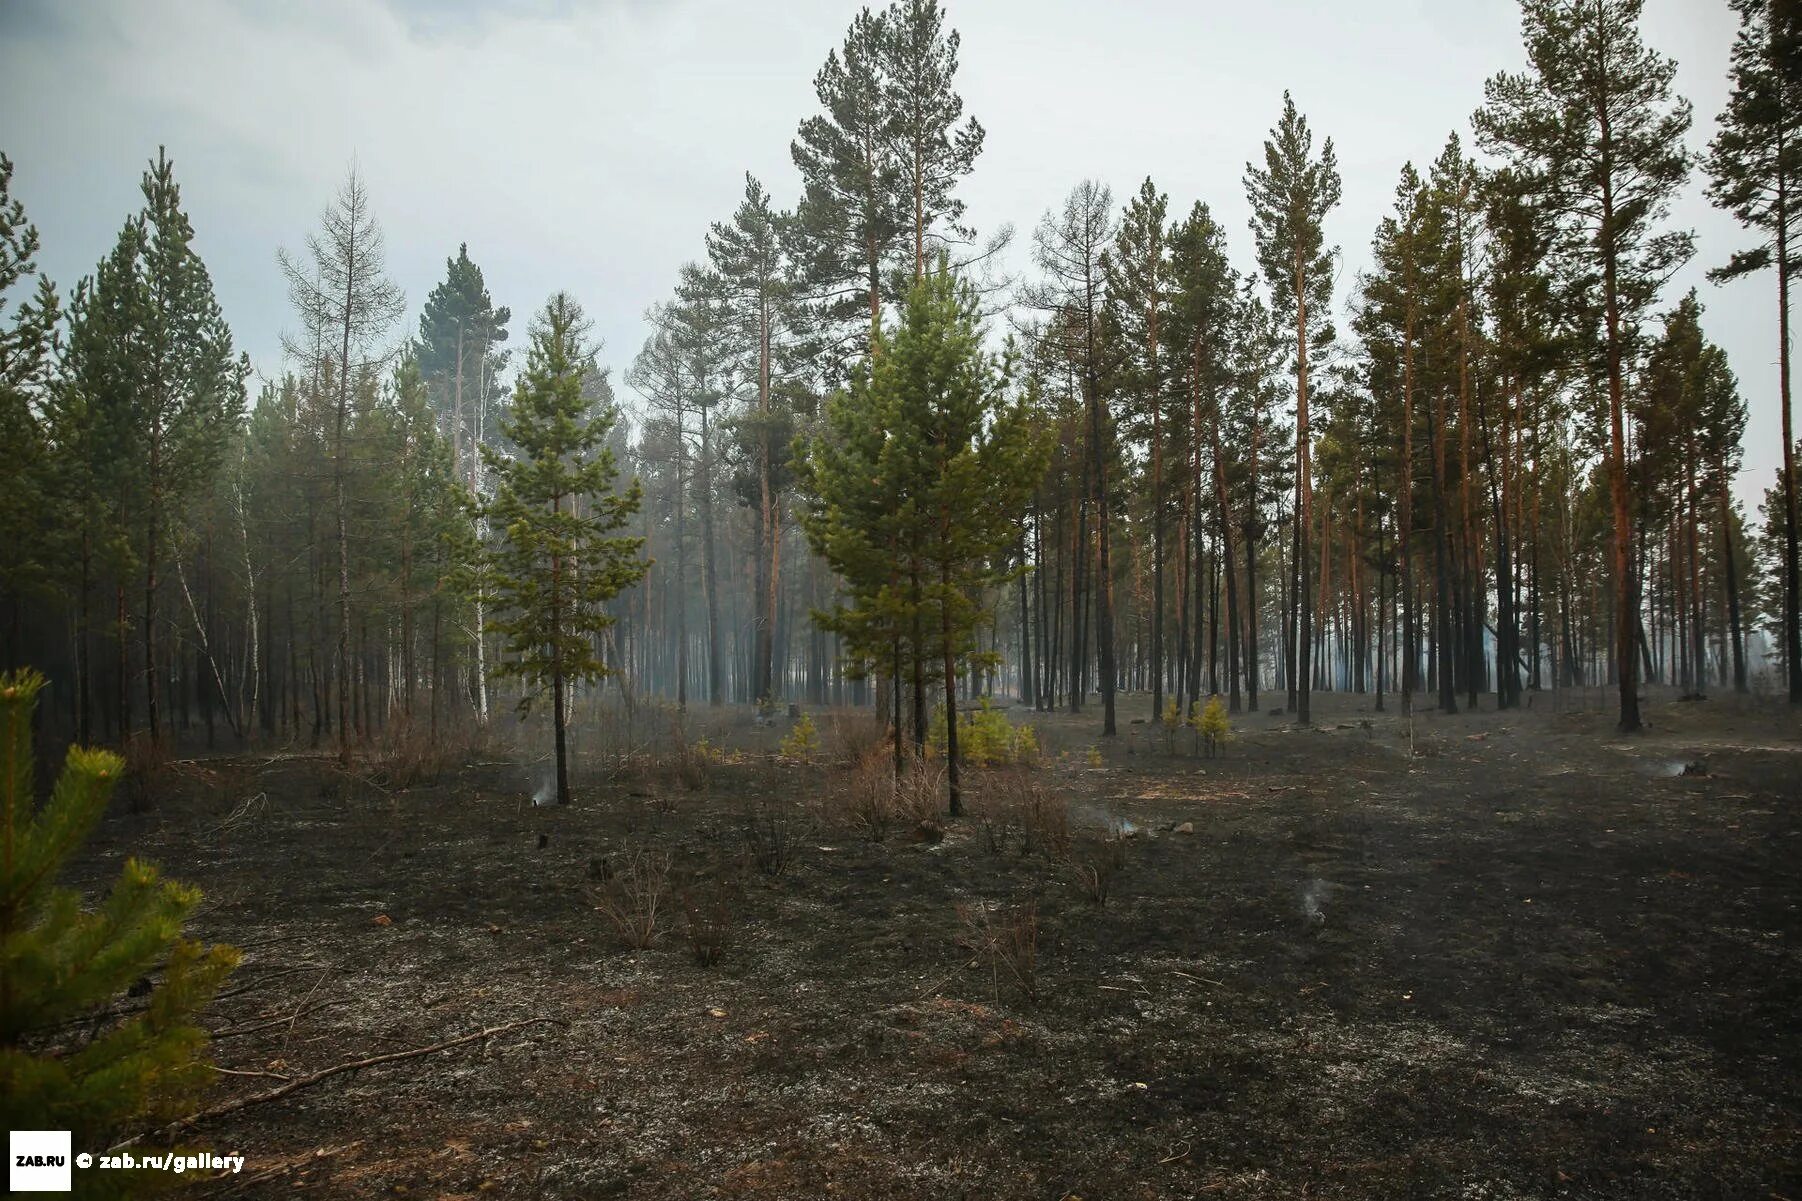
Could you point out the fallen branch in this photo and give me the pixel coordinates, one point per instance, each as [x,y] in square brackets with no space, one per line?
[300,1082]
[241,1072]
[298,1009]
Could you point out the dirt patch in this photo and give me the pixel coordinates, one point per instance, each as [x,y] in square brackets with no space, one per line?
[1389,961]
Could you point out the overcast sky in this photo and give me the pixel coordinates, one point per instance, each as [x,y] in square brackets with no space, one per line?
[587,146]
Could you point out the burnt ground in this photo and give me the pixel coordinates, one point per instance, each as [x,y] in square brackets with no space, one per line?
[1512,956]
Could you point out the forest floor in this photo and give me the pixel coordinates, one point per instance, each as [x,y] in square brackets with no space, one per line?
[1485,956]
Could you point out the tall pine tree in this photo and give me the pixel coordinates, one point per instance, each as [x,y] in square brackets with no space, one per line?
[1594,130]
[558,559]
[1754,167]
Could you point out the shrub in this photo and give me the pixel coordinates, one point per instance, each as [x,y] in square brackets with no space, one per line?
[920,796]
[1095,867]
[1008,940]
[406,754]
[712,912]
[802,742]
[632,897]
[772,833]
[985,737]
[1044,819]
[1212,728]
[870,797]
[65,967]
[861,738]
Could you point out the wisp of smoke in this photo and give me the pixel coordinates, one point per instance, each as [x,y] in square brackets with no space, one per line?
[1312,894]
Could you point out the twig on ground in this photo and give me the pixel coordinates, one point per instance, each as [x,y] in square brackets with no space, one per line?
[302,1005]
[263,979]
[286,1019]
[1178,1157]
[295,1085]
[243,1072]
[927,992]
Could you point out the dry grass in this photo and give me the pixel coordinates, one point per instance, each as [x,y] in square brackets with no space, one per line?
[406,754]
[1095,865]
[711,907]
[861,740]
[632,896]
[1006,937]
[772,832]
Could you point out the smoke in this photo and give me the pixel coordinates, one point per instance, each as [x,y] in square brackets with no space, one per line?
[1313,895]
[1095,815]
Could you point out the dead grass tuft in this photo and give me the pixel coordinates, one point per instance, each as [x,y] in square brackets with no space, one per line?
[1006,937]
[631,897]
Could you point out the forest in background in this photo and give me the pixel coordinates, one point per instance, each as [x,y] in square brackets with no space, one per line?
[1515,467]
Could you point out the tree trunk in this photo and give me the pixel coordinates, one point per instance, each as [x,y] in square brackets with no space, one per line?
[1304,500]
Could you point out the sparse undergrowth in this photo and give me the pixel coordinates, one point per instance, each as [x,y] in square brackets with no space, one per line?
[1309,959]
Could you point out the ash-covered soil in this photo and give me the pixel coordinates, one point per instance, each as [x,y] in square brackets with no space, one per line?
[1503,956]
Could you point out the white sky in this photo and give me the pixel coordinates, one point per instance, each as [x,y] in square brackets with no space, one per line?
[588,146]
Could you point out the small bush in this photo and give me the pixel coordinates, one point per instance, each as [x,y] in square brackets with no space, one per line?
[1212,729]
[632,897]
[1007,939]
[75,1053]
[920,797]
[1044,820]
[860,738]
[994,817]
[870,798]
[712,911]
[405,754]
[772,834]
[1095,759]
[148,772]
[985,737]
[1095,866]
[802,742]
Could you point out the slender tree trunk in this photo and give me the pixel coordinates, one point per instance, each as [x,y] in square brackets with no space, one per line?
[1304,500]
[1731,572]
[1792,566]
[709,568]
[681,599]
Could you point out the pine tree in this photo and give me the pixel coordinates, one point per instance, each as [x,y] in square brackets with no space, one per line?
[459,329]
[1071,247]
[936,446]
[558,560]
[62,966]
[1524,350]
[851,214]
[1594,130]
[187,390]
[100,464]
[27,346]
[931,149]
[346,305]
[749,257]
[1754,167]
[1204,291]
[1290,198]
[1137,286]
